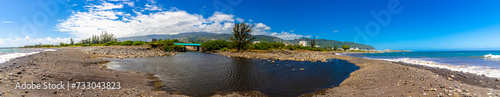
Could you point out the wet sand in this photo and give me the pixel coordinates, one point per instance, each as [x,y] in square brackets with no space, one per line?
[375,78]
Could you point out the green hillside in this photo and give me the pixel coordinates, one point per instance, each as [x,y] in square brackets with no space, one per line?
[203,36]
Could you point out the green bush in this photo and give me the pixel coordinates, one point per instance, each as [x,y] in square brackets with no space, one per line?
[47,46]
[289,47]
[215,45]
[267,46]
[110,43]
[138,43]
[224,49]
[179,48]
[128,42]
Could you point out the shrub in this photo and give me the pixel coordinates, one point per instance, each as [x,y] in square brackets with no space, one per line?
[167,48]
[262,46]
[289,47]
[224,49]
[179,48]
[215,45]
[138,43]
[128,42]
[268,46]
[109,43]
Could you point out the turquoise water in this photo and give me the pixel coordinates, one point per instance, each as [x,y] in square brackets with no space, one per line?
[9,50]
[479,62]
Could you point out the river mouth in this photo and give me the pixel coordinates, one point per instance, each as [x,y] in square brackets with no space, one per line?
[203,74]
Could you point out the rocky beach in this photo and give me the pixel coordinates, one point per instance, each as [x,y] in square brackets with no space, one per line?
[375,78]
[384,78]
[125,51]
[72,65]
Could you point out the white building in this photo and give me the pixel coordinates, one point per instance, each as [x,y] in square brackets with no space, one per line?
[354,48]
[317,46]
[254,42]
[303,43]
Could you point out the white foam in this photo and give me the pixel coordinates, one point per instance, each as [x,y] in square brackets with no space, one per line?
[479,70]
[339,53]
[8,57]
[49,50]
[490,56]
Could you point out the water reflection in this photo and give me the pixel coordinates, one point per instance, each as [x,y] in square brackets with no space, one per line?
[201,74]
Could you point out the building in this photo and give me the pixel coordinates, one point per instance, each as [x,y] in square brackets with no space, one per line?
[317,46]
[354,48]
[254,42]
[303,43]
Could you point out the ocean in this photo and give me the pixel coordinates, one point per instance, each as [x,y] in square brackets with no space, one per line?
[7,54]
[477,62]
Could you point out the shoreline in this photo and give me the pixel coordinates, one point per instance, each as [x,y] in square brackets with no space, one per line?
[374,78]
[400,79]
[71,65]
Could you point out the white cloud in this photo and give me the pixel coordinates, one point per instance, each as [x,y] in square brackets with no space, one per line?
[152,1]
[104,17]
[105,6]
[240,20]
[152,7]
[288,36]
[7,22]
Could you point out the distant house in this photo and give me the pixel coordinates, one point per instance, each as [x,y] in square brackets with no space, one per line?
[154,39]
[303,43]
[354,48]
[317,46]
[254,42]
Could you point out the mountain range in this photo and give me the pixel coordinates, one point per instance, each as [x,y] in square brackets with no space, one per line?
[204,36]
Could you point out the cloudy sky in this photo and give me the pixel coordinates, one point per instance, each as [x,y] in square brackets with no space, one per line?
[385,24]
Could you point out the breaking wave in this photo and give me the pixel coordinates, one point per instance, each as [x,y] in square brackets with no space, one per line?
[479,70]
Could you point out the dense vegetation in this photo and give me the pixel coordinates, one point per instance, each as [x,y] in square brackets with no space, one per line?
[215,45]
[225,46]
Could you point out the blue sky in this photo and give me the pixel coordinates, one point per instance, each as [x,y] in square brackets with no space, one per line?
[413,24]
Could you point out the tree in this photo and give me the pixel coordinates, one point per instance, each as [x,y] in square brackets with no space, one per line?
[95,39]
[313,43]
[106,37]
[242,35]
[345,47]
[71,41]
[335,48]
